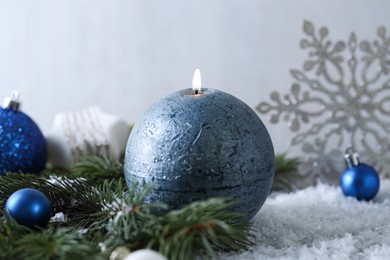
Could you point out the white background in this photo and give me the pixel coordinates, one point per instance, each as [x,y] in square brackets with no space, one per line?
[124,55]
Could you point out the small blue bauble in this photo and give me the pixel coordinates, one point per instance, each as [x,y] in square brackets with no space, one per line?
[22,145]
[197,146]
[359,180]
[29,208]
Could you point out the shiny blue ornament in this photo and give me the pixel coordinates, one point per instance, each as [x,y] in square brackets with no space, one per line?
[22,144]
[358,180]
[29,207]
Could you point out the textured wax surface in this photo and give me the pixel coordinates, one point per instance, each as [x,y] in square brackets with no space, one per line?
[193,147]
[22,145]
[29,207]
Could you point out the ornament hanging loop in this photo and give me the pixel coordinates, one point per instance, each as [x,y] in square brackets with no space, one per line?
[12,103]
[351,158]
[15,95]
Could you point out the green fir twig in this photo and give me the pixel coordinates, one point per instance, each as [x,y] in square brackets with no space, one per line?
[207,227]
[286,172]
[97,168]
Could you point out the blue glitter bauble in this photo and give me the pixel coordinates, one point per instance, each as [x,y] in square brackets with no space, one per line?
[360,181]
[197,146]
[29,208]
[22,145]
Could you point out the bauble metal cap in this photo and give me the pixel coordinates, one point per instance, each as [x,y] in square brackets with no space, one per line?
[12,102]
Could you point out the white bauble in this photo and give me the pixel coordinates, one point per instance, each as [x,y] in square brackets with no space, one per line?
[145,254]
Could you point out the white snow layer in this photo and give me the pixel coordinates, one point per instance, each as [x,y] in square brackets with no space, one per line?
[320,223]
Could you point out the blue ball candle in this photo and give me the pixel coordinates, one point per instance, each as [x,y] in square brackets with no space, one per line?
[29,207]
[358,180]
[200,143]
[22,144]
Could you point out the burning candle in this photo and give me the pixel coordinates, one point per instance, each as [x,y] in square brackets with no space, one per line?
[199,143]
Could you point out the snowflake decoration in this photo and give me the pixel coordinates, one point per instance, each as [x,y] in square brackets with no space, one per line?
[340,99]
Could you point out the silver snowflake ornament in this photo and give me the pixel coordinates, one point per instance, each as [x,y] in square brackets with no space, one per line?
[340,99]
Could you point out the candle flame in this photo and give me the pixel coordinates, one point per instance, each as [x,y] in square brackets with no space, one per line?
[197,82]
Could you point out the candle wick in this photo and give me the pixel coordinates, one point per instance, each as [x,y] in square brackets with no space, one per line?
[196,91]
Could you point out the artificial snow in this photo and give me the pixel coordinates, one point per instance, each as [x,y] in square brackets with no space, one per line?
[59,217]
[320,223]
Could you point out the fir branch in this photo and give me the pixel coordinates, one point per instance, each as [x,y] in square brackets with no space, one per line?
[15,181]
[10,232]
[110,199]
[205,227]
[286,171]
[127,219]
[62,192]
[19,242]
[59,243]
[97,168]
